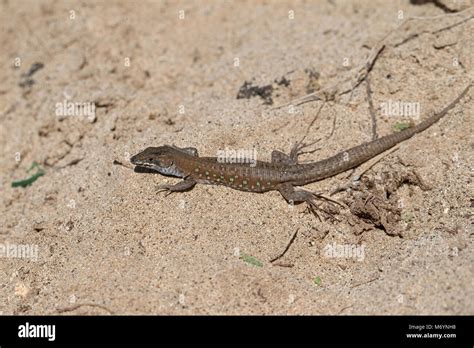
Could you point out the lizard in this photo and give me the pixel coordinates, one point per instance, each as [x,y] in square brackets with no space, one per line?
[282,174]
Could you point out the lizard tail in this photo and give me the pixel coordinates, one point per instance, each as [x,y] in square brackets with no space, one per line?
[359,154]
[436,117]
[391,140]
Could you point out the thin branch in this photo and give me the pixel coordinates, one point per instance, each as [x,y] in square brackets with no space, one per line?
[292,239]
[371,109]
[330,92]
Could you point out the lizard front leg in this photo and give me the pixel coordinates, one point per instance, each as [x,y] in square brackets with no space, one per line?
[189,150]
[181,186]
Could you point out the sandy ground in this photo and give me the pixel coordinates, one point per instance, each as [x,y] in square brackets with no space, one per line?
[95,238]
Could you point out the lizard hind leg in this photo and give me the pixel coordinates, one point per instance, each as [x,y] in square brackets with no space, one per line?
[310,198]
[297,149]
[279,157]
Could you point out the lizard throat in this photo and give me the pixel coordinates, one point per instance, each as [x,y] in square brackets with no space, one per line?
[168,170]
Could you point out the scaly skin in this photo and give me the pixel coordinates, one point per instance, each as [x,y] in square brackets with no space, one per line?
[283,173]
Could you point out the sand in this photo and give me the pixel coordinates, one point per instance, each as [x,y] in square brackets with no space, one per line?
[92,236]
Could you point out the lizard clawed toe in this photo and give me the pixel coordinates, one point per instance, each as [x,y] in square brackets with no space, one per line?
[297,148]
[315,208]
[328,199]
[164,188]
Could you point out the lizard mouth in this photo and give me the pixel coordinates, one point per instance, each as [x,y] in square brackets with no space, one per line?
[147,165]
[144,165]
[169,170]
[136,160]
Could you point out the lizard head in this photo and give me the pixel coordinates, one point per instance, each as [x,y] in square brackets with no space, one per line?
[161,159]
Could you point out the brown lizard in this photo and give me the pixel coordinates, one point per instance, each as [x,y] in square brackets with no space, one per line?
[283,173]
